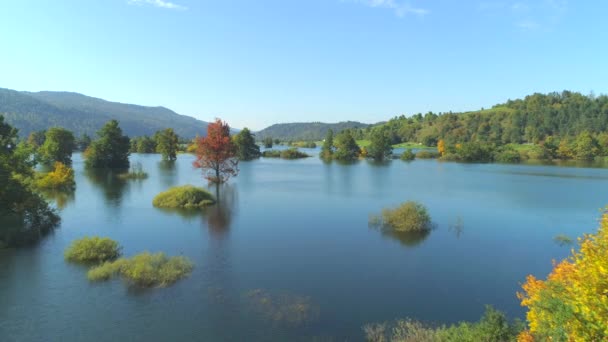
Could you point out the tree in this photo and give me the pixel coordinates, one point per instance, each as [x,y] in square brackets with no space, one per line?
[110,150]
[58,146]
[84,142]
[586,147]
[441,147]
[36,139]
[167,144]
[144,144]
[571,304]
[268,142]
[380,147]
[564,151]
[216,153]
[346,147]
[24,215]
[246,146]
[327,151]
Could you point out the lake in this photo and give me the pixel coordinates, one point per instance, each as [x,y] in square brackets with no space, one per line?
[288,254]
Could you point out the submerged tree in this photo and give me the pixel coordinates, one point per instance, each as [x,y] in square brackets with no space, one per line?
[268,142]
[110,150]
[380,147]
[24,215]
[327,151]
[246,146]
[216,153]
[346,147]
[167,144]
[58,146]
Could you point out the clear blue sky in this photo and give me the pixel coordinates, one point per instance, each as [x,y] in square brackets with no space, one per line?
[258,62]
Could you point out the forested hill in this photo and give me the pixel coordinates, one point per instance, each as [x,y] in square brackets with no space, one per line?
[529,120]
[83,114]
[306,130]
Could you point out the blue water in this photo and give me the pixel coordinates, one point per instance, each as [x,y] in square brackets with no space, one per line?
[297,232]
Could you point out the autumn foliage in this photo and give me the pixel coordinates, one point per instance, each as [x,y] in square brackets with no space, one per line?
[572,304]
[441,147]
[216,153]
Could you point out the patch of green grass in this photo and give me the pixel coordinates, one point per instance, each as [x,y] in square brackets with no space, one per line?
[364,143]
[144,270]
[186,196]
[92,250]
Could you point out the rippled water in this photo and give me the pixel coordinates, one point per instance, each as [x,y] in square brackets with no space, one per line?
[288,255]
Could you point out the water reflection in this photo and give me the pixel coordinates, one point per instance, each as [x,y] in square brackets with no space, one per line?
[408,239]
[168,173]
[60,198]
[220,215]
[112,187]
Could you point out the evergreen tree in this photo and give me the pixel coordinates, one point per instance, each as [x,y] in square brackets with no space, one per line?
[380,147]
[327,151]
[346,147]
[110,150]
[167,144]
[246,146]
[58,146]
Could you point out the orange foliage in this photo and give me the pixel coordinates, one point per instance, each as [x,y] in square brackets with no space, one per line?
[216,153]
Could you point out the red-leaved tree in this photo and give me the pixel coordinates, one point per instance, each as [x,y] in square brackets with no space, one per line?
[216,153]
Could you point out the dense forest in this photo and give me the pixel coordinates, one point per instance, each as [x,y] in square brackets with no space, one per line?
[309,131]
[30,112]
[529,120]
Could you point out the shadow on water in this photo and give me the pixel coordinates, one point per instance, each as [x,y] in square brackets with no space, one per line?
[112,187]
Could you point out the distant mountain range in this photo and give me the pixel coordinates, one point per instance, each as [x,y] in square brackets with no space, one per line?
[30,112]
[305,130]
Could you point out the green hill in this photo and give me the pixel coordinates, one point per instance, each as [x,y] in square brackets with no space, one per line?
[528,120]
[84,114]
[310,131]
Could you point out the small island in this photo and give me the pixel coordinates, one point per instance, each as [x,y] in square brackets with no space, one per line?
[186,197]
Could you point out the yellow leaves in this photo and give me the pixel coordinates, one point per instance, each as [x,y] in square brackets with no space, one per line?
[441,147]
[572,303]
[61,178]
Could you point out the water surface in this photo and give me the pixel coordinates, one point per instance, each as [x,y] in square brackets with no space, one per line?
[288,254]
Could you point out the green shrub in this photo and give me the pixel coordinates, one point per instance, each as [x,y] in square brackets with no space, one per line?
[451,156]
[61,178]
[105,271]
[493,327]
[92,250]
[427,155]
[408,217]
[507,155]
[144,270]
[271,154]
[293,153]
[408,155]
[186,196]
